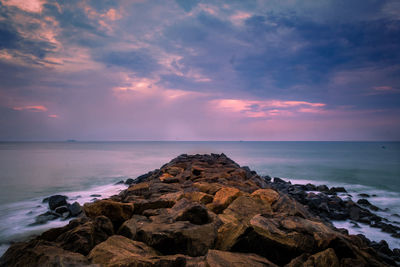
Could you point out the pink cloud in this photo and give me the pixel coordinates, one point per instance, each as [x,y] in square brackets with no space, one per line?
[34,6]
[265,108]
[53,116]
[38,108]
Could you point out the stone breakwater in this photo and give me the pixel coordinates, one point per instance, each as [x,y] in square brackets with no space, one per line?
[206,210]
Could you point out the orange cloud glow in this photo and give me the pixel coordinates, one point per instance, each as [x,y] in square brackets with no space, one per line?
[38,108]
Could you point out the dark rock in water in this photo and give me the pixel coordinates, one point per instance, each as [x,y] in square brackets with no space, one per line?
[322,188]
[334,190]
[62,209]
[57,201]
[119,182]
[75,209]
[363,195]
[364,202]
[95,195]
[45,217]
[129,181]
[311,187]
[279,180]
[267,178]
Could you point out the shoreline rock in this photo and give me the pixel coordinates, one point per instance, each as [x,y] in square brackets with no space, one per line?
[206,210]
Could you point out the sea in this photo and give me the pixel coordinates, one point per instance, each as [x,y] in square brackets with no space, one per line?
[85,171]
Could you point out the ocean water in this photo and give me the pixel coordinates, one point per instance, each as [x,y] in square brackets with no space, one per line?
[30,171]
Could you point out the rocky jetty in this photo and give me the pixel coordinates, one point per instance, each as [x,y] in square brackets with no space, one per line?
[206,210]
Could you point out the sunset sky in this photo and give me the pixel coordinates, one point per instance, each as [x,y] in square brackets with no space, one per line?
[200,70]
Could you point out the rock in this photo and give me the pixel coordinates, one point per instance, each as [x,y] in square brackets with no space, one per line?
[209,188]
[323,258]
[278,180]
[117,212]
[223,198]
[281,239]
[199,197]
[121,251]
[85,236]
[334,190]
[41,254]
[62,209]
[45,217]
[119,182]
[95,195]
[189,211]
[363,195]
[75,209]
[57,201]
[141,205]
[116,248]
[129,181]
[364,202]
[311,187]
[129,227]
[268,195]
[218,258]
[322,188]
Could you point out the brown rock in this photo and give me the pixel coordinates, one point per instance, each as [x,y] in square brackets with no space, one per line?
[138,189]
[129,227]
[141,205]
[209,188]
[41,254]
[218,258]
[117,212]
[282,238]
[84,237]
[223,198]
[236,219]
[268,195]
[118,248]
[322,259]
[200,197]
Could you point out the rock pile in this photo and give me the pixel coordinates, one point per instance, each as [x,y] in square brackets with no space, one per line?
[200,210]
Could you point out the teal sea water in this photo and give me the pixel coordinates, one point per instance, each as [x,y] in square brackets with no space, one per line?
[33,170]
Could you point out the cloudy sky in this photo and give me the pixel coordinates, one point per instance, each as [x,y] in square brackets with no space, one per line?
[200,70]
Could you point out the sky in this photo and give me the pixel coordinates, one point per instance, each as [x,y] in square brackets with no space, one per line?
[199,70]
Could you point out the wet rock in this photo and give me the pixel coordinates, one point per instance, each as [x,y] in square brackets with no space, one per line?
[363,195]
[95,195]
[218,258]
[129,181]
[75,209]
[322,188]
[119,182]
[45,217]
[364,202]
[61,210]
[334,190]
[57,201]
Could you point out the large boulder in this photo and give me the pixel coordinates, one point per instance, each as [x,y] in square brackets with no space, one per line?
[57,201]
[117,212]
[223,198]
[41,253]
[218,258]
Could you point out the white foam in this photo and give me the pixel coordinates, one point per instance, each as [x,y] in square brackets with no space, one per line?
[373,234]
[19,215]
